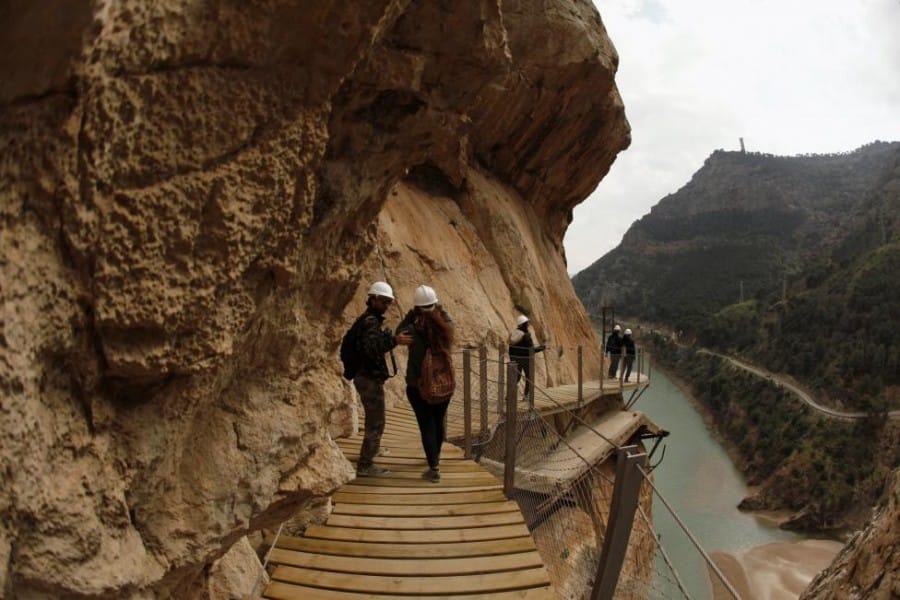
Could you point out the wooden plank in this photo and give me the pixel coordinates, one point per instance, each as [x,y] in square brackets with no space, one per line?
[399,465]
[449,471]
[419,523]
[387,510]
[407,567]
[370,485]
[419,585]
[416,537]
[414,480]
[445,497]
[278,590]
[425,550]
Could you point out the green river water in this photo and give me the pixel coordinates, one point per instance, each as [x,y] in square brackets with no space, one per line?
[703,487]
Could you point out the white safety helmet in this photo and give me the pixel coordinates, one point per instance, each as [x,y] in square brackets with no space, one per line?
[380,288]
[521,319]
[627,332]
[424,296]
[617,328]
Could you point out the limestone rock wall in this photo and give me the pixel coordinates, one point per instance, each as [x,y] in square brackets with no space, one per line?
[192,195]
[868,567]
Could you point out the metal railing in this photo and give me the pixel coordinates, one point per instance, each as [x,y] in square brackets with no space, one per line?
[581,514]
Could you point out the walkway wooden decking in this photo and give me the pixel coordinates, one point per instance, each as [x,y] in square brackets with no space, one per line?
[565,397]
[400,535]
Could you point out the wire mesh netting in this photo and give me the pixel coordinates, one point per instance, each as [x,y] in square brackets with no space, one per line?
[562,483]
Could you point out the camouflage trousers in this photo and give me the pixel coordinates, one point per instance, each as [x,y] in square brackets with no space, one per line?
[371,393]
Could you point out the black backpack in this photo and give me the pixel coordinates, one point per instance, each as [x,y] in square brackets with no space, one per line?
[351,352]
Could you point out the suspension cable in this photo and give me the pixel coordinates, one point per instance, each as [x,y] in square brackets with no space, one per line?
[663,553]
[712,565]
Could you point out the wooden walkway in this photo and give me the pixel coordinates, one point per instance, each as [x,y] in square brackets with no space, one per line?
[565,397]
[403,536]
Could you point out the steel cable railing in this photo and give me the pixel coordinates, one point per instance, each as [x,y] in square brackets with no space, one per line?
[564,496]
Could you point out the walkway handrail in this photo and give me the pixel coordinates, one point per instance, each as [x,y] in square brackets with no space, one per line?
[532,441]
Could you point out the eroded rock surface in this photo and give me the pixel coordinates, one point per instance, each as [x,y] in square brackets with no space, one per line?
[868,567]
[192,195]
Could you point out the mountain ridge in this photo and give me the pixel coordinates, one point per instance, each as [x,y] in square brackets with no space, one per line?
[749,220]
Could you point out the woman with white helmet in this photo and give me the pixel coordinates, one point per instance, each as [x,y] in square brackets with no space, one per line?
[520,346]
[430,327]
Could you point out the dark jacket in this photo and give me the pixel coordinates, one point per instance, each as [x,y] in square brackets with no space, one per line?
[614,344]
[374,342]
[518,351]
[628,344]
[419,344]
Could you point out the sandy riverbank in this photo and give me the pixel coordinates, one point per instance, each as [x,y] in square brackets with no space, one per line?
[776,571]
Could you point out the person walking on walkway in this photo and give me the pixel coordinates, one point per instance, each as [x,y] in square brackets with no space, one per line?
[374,342]
[520,346]
[614,350]
[430,327]
[630,353]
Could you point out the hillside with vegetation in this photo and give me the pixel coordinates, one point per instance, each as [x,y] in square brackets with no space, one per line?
[792,264]
[826,472]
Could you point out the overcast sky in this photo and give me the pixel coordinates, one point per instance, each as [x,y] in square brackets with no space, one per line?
[789,76]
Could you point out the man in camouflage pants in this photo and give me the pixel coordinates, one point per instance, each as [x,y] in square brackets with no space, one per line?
[369,381]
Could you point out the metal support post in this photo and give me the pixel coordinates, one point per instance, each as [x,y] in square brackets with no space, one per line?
[621,518]
[467,401]
[483,389]
[501,378]
[509,460]
[532,379]
[581,376]
[640,364]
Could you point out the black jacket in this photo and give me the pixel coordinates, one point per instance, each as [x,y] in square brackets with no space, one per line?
[628,344]
[519,350]
[374,342]
[614,344]
[419,344]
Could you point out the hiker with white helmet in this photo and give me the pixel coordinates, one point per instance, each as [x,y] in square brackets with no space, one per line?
[614,350]
[373,342]
[630,353]
[432,339]
[520,346]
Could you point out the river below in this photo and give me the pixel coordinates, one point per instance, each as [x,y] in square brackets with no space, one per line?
[703,487]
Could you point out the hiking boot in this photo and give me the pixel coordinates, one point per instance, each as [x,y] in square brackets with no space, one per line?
[371,471]
[432,475]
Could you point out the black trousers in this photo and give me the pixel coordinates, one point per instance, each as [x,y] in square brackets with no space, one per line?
[432,424]
[614,364]
[629,362]
[524,367]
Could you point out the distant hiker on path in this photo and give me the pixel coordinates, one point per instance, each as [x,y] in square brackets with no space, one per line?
[520,345]
[614,350]
[630,353]
[432,340]
[373,342]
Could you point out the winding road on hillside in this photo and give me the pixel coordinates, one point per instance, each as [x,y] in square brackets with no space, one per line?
[805,397]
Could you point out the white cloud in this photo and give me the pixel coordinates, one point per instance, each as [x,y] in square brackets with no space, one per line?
[789,76]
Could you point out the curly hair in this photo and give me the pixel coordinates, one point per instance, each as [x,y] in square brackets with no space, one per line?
[438,333]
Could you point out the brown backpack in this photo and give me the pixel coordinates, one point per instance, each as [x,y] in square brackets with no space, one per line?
[437,382]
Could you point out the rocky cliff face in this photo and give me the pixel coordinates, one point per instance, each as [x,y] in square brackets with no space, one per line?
[869,565]
[193,195]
